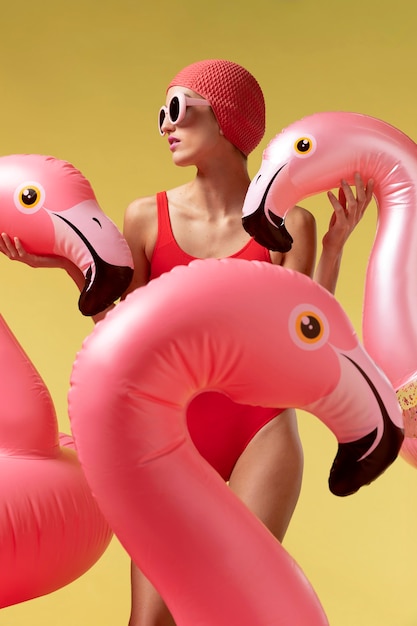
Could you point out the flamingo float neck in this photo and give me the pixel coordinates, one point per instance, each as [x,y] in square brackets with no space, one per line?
[28,425]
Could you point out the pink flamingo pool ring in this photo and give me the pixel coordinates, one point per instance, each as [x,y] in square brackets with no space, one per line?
[262,335]
[51,529]
[311,156]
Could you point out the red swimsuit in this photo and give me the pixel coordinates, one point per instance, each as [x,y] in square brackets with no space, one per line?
[219,428]
[167,253]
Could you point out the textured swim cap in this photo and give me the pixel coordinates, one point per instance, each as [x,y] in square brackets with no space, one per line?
[234,95]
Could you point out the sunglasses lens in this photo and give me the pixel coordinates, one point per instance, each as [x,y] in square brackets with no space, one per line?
[161,119]
[174,109]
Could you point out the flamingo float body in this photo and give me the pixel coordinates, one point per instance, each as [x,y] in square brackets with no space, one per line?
[311,156]
[51,197]
[262,335]
[51,529]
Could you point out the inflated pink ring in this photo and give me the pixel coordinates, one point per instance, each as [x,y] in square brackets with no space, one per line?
[51,530]
[262,335]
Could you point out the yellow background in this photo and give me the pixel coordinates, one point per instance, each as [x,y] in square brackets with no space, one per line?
[83,81]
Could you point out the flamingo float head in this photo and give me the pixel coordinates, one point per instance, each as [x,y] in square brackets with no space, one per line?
[313,155]
[51,207]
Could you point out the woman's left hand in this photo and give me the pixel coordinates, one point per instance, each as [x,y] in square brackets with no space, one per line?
[348,210]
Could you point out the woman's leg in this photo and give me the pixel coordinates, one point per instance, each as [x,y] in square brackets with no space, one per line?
[147,607]
[268,474]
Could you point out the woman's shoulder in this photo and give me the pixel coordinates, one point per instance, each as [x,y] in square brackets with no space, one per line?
[140,225]
[300,217]
[141,209]
[301,225]
[145,207]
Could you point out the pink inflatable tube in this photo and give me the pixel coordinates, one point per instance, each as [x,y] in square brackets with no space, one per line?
[52,208]
[262,335]
[51,529]
[312,155]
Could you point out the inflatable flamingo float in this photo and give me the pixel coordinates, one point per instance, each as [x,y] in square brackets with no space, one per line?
[49,197]
[261,335]
[312,155]
[51,530]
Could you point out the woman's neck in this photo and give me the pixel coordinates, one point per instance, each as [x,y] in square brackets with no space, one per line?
[222,185]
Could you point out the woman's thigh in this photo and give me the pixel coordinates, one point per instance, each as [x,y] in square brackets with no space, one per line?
[267,476]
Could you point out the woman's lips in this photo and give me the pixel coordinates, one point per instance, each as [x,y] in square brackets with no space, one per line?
[173,142]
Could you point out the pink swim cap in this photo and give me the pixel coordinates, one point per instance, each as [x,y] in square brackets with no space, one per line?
[234,95]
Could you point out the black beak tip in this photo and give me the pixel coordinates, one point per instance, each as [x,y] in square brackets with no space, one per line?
[107,287]
[274,237]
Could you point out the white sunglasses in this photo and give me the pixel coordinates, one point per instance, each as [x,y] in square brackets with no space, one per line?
[176,109]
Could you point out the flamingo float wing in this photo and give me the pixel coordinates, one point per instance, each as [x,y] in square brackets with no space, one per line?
[189,331]
[51,207]
[313,155]
[51,530]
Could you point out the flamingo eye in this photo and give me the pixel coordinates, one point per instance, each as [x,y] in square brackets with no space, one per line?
[304,146]
[29,197]
[308,327]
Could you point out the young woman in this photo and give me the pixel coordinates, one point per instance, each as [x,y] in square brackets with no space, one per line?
[213,118]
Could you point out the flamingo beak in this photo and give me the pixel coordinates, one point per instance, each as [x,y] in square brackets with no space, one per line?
[109,282]
[269,233]
[105,281]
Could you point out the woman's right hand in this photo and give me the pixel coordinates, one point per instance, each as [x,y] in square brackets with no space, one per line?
[14,250]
